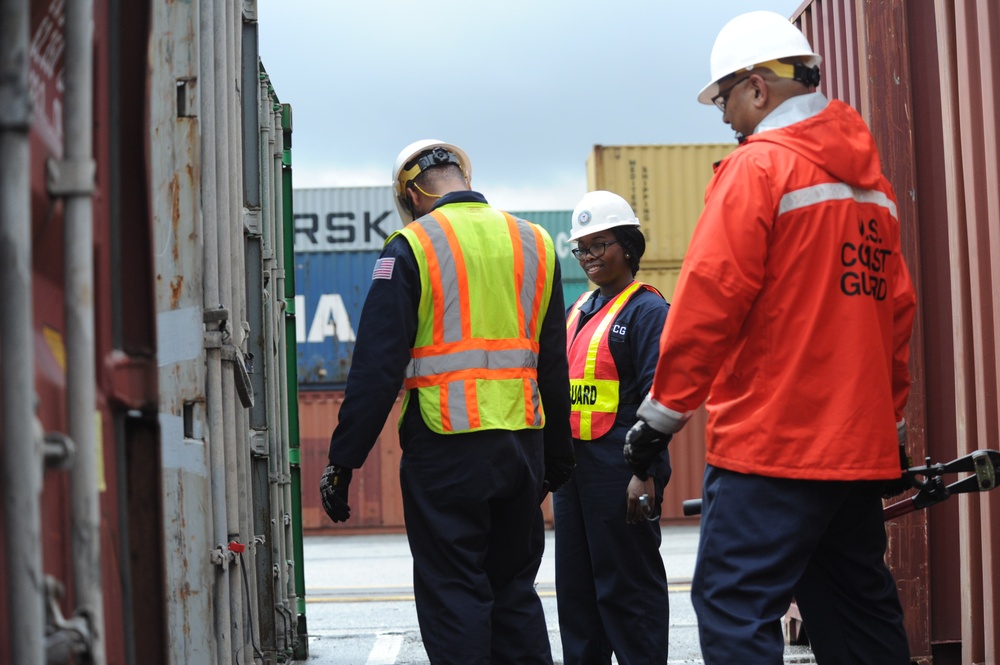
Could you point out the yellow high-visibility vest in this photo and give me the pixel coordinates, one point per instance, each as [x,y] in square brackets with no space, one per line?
[485,284]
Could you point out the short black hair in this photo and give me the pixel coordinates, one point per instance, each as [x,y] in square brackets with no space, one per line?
[634,243]
[438,174]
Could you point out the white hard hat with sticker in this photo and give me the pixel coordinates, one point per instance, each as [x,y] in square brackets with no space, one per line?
[599,211]
[402,176]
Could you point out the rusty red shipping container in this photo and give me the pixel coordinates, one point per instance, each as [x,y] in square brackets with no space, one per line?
[105,111]
[922,74]
[375,497]
[125,372]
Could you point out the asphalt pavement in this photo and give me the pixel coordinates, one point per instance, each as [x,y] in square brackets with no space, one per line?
[360,610]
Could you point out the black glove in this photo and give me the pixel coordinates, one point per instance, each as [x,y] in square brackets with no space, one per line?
[643,445]
[333,489]
[906,479]
[558,471]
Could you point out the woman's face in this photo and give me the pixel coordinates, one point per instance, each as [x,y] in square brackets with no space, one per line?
[610,270]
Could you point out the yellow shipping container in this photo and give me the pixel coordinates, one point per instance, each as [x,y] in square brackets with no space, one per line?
[664,279]
[665,184]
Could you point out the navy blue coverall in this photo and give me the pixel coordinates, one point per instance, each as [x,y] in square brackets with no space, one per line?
[611,586]
[470,501]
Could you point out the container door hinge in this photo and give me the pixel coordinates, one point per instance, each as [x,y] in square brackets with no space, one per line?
[251,222]
[222,339]
[64,637]
[242,368]
[69,177]
[258,443]
[59,450]
[221,556]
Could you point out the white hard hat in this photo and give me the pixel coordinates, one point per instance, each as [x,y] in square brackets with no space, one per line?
[751,39]
[400,178]
[599,211]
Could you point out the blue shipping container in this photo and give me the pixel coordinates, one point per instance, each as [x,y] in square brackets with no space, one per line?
[330,291]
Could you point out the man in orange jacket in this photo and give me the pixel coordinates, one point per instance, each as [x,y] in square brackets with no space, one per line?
[793,317]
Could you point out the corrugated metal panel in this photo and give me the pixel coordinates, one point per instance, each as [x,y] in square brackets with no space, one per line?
[186,491]
[886,103]
[58,537]
[160,587]
[938,132]
[969,134]
[832,29]
[665,185]
[375,496]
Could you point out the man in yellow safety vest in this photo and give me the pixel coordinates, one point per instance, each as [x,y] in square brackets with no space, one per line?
[465,311]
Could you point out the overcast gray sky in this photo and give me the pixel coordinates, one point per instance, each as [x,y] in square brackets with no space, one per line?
[525,87]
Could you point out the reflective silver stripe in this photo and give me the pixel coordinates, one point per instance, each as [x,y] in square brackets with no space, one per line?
[449,279]
[472,359]
[660,417]
[536,404]
[457,411]
[530,254]
[834,191]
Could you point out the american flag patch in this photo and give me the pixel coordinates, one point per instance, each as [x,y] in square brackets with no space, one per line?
[383,268]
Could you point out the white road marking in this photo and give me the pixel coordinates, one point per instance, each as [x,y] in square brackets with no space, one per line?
[386,649]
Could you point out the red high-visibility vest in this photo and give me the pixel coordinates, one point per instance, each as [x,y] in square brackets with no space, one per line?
[593,376]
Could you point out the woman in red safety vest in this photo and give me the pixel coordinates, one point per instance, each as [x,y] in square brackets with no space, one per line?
[611,586]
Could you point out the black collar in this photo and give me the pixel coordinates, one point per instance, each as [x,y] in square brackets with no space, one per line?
[460,196]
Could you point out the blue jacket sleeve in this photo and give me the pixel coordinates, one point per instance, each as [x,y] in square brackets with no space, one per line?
[645,347]
[386,332]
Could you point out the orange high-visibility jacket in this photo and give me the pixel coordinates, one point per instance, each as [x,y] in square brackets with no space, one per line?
[486,279]
[793,309]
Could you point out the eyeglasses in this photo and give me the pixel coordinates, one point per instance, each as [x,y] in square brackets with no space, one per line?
[722,99]
[596,250]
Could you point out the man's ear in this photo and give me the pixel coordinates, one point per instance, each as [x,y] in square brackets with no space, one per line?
[759,91]
[413,196]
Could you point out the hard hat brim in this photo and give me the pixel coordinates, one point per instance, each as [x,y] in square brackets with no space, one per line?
[710,91]
[597,228]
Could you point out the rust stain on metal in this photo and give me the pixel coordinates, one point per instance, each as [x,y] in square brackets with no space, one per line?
[176,288]
[193,179]
[175,214]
